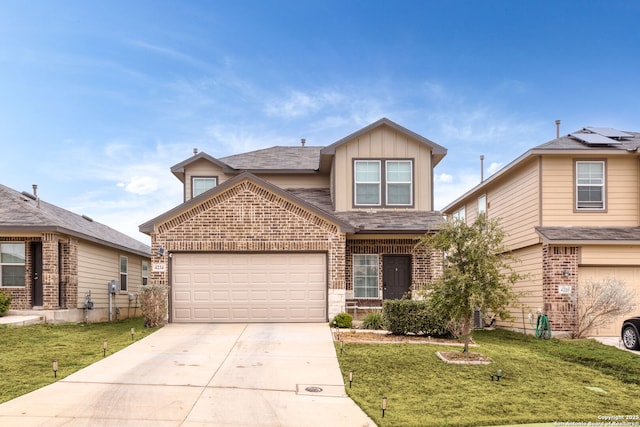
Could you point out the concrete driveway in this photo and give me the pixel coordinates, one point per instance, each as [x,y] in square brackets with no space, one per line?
[202,375]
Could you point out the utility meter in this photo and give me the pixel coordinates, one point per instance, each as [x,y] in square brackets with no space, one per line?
[113,286]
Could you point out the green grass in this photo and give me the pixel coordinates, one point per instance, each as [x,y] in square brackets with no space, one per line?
[544,381]
[27,352]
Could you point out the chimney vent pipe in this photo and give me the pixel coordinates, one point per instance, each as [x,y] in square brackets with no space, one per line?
[481,167]
[303,141]
[195,151]
[557,129]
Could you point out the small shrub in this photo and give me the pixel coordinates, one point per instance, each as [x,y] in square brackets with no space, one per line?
[402,317]
[342,320]
[373,321]
[5,303]
[153,304]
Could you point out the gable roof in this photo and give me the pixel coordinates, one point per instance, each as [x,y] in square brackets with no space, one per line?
[148,226]
[24,212]
[438,151]
[277,158]
[568,144]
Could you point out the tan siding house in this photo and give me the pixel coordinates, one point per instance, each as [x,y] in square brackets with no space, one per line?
[571,211]
[299,233]
[57,264]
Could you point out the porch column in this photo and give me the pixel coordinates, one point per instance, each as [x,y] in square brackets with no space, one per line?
[50,273]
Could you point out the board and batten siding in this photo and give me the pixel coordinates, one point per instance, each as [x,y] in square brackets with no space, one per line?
[382,143]
[97,266]
[558,192]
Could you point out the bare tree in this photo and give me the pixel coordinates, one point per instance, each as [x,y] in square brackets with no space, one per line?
[599,301]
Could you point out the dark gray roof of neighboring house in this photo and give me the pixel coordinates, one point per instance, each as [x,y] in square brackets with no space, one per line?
[19,212]
[570,143]
[589,234]
[276,158]
[373,220]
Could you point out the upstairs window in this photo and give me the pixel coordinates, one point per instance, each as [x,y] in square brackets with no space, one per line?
[383,183]
[399,182]
[201,184]
[590,190]
[12,265]
[124,273]
[367,182]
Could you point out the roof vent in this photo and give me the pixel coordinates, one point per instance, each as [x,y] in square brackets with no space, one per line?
[195,151]
[303,141]
[29,195]
[88,218]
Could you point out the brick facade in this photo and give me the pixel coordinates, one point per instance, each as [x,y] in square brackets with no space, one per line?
[59,262]
[250,218]
[559,284]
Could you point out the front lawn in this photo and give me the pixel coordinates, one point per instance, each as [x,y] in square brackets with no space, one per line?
[544,381]
[27,352]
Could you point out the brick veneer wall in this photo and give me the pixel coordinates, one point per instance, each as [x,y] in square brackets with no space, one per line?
[250,218]
[559,268]
[424,262]
[21,298]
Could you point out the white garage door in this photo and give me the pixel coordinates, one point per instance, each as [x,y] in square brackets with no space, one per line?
[631,278]
[232,287]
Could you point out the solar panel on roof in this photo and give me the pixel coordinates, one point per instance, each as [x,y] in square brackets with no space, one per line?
[609,132]
[594,139]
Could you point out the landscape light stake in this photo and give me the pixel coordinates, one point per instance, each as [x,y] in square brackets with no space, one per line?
[55,368]
[341,347]
[384,405]
[133,331]
[350,377]
[104,348]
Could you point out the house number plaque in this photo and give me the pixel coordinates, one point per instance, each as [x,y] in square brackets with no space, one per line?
[564,289]
[159,267]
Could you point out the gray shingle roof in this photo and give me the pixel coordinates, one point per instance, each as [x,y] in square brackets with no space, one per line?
[590,234]
[276,158]
[19,212]
[568,143]
[373,220]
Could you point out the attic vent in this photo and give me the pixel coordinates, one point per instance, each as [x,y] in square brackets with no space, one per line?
[29,195]
[88,218]
[600,136]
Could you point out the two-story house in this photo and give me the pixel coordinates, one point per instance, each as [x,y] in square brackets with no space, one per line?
[55,263]
[299,233]
[571,212]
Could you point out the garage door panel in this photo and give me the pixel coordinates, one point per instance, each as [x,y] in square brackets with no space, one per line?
[271,287]
[630,276]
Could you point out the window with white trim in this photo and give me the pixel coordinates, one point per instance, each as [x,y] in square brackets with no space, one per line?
[460,215]
[383,183]
[399,174]
[145,272]
[124,273]
[12,264]
[201,184]
[482,204]
[590,189]
[365,276]
[367,182]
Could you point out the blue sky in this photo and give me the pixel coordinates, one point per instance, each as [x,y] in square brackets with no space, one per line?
[98,99]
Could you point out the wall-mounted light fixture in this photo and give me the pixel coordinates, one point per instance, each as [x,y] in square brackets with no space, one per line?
[566,273]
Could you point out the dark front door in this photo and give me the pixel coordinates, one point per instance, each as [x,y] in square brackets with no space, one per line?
[396,276]
[36,273]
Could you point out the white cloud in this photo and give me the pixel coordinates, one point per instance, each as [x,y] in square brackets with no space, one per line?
[142,185]
[299,104]
[444,178]
[494,167]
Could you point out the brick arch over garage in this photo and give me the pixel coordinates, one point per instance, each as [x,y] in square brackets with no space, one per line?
[251,218]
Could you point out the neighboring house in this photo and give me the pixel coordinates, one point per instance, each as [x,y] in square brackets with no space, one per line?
[52,261]
[299,233]
[571,211]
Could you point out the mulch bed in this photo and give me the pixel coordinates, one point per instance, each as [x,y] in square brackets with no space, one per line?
[357,336]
